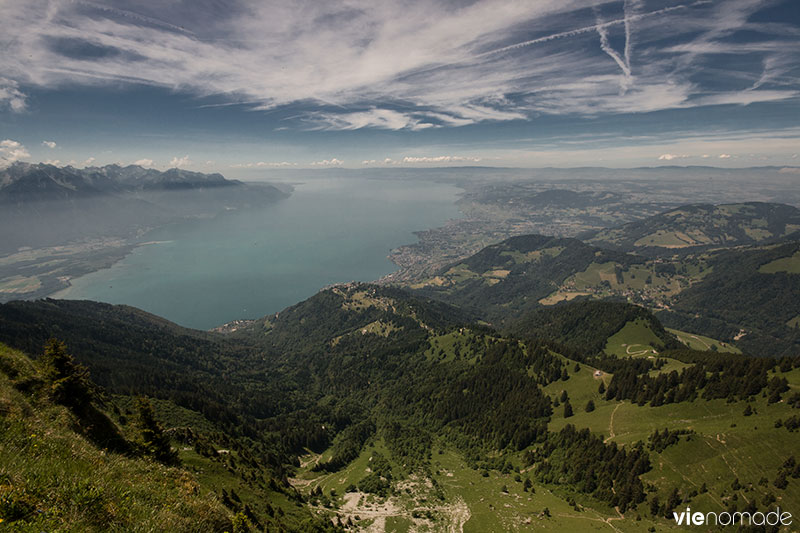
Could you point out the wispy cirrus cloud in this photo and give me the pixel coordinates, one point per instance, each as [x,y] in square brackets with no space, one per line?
[409,66]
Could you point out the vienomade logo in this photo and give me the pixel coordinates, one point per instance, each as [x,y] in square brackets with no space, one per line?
[770,518]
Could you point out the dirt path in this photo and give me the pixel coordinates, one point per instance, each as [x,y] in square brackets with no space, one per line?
[606,521]
[611,433]
[698,339]
[638,352]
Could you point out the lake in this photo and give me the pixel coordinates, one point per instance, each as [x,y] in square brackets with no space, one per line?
[251,263]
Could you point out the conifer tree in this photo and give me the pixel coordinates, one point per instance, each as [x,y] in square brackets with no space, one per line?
[153,441]
[67,381]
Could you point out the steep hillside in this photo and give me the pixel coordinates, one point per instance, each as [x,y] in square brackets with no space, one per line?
[56,476]
[702,226]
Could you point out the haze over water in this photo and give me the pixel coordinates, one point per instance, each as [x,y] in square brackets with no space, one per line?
[248,264]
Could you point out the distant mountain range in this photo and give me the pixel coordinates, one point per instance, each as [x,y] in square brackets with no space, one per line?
[44,205]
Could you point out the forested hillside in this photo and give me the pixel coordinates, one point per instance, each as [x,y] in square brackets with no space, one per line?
[703,226]
[506,279]
[368,407]
[744,296]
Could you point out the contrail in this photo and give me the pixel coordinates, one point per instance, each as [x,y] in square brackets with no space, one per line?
[606,46]
[587,29]
[133,15]
[629,8]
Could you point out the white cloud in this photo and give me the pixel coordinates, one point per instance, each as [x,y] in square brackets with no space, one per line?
[408,65]
[384,161]
[441,159]
[49,144]
[11,151]
[178,162]
[670,157]
[89,161]
[724,156]
[333,162]
[262,164]
[790,170]
[54,162]
[144,162]
[416,160]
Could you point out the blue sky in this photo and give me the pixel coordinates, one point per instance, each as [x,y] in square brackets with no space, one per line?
[243,86]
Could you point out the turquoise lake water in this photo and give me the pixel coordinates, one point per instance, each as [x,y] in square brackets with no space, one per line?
[247,264]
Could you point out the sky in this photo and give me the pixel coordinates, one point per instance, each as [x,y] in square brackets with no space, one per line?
[242,87]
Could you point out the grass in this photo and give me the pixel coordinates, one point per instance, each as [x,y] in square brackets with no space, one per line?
[443,347]
[460,273]
[701,342]
[790,265]
[670,239]
[726,446]
[635,339]
[52,479]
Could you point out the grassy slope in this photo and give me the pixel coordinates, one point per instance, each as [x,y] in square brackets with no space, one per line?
[73,486]
[635,339]
[701,342]
[727,446]
[53,479]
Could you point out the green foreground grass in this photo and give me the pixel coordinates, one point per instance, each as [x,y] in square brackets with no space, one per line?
[52,479]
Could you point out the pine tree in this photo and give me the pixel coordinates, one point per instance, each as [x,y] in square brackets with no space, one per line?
[153,441]
[527,484]
[589,406]
[67,381]
[567,409]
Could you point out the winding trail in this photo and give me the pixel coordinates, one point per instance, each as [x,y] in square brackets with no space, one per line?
[611,433]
